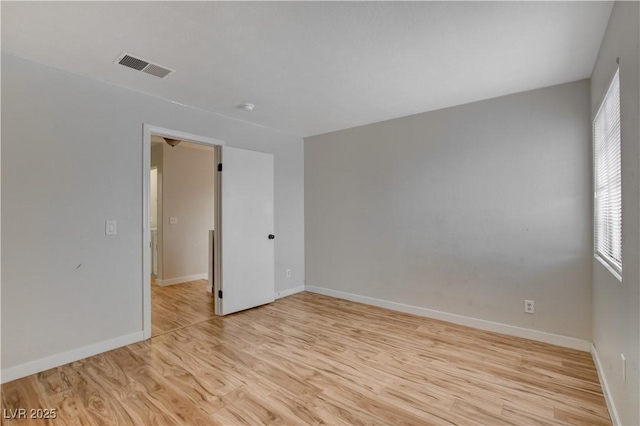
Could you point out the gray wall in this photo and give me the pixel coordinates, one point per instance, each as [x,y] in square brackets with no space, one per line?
[468,210]
[157,156]
[616,305]
[72,158]
[188,193]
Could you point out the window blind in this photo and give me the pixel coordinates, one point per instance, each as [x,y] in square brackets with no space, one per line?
[608,179]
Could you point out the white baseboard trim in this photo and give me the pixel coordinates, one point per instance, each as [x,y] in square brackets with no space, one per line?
[181,280]
[288,292]
[510,330]
[613,412]
[32,367]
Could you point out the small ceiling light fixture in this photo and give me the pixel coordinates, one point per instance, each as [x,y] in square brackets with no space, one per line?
[247,107]
[172,142]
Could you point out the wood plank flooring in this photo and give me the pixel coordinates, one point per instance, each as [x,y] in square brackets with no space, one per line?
[311,359]
[177,306]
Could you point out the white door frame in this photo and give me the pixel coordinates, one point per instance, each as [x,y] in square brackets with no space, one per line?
[147,131]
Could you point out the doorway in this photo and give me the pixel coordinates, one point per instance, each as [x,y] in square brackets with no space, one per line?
[182,216]
[176,226]
[242,251]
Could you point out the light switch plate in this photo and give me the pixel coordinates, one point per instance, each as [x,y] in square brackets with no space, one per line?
[111,227]
[173,220]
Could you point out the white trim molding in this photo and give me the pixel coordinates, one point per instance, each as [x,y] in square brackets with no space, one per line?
[176,134]
[288,292]
[496,327]
[613,412]
[180,280]
[32,367]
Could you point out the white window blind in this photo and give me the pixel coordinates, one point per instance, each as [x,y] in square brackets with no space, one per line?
[607,179]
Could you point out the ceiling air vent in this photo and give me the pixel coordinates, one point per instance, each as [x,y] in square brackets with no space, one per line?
[144,66]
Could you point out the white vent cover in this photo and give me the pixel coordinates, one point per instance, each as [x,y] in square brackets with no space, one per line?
[145,66]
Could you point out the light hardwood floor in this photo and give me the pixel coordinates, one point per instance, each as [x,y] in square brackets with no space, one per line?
[177,306]
[311,359]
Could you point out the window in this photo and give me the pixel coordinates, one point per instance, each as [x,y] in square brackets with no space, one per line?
[607,180]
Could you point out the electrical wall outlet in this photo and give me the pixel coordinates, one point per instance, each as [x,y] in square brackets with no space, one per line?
[111,227]
[624,367]
[529,306]
[288,273]
[173,220]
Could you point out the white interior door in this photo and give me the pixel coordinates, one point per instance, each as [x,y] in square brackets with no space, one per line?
[245,245]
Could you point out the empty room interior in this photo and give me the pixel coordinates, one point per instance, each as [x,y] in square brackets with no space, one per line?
[320,213]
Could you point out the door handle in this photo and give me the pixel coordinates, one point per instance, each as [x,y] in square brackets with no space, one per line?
[271,236]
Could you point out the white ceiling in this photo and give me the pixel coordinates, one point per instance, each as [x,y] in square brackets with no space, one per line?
[312,68]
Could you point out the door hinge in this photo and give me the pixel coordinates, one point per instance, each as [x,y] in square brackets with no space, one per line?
[219,167]
[220,294]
